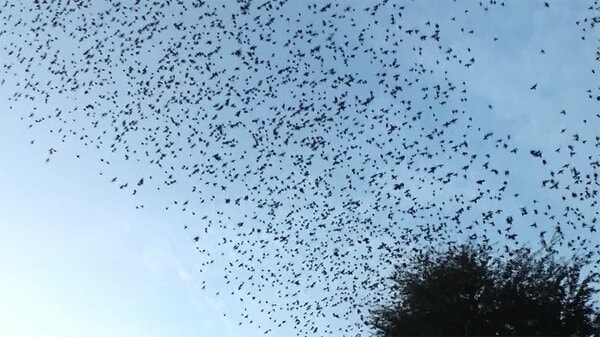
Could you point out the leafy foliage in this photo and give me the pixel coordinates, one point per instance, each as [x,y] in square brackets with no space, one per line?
[464,291]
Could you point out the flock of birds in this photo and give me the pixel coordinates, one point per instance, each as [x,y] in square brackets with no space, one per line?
[310,146]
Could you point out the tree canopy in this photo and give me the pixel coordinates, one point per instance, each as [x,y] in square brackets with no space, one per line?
[465,291]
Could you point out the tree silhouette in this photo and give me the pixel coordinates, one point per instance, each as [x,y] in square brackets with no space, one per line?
[464,291]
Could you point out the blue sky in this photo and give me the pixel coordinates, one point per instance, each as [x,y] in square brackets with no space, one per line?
[80,260]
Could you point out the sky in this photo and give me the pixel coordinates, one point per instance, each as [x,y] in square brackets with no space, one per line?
[81,259]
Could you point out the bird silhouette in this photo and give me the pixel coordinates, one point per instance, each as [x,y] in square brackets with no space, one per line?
[308,147]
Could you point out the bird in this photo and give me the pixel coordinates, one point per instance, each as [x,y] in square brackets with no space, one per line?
[308,148]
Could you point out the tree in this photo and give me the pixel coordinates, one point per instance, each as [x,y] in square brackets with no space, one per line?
[464,291]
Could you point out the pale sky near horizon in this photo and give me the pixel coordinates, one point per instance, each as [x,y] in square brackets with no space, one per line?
[78,258]
[88,265]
